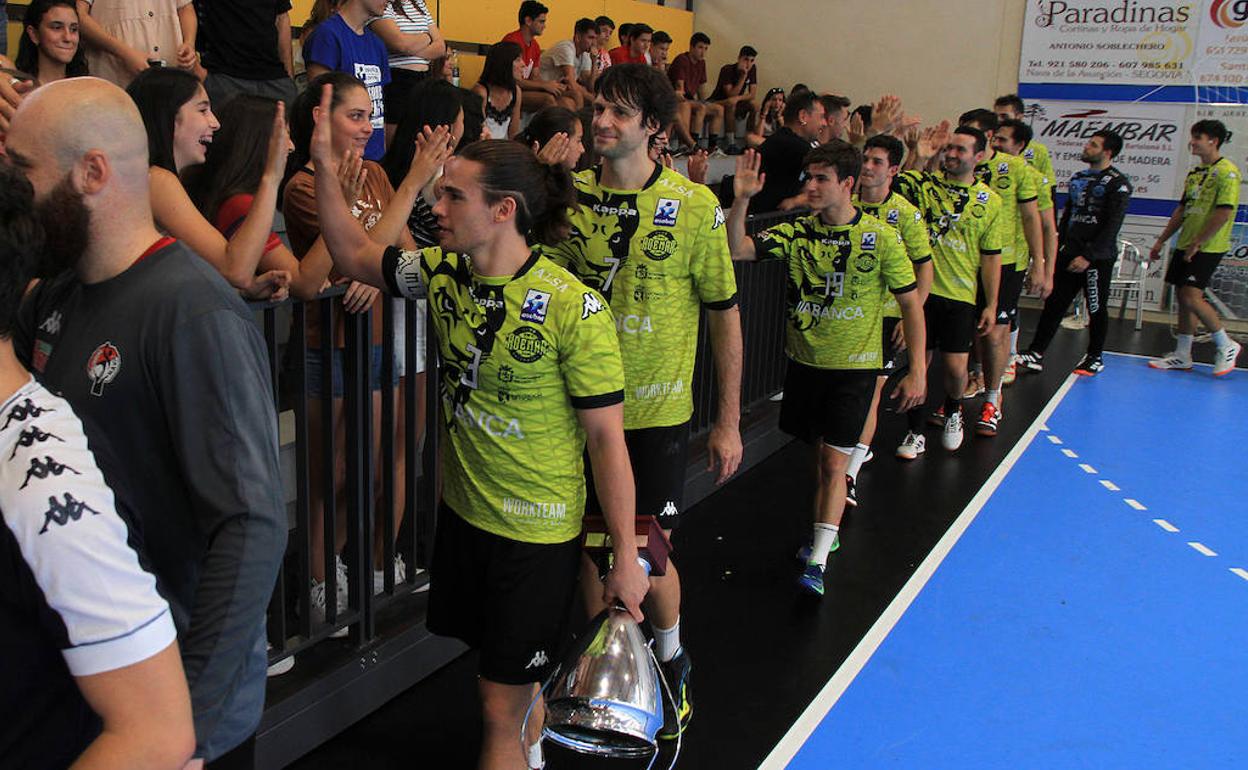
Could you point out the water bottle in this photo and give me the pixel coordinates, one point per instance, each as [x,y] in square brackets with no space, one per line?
[455,71]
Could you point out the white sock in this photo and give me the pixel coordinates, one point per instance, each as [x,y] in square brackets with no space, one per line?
[856,460]
[537,760]
[1014,342]
[993,397]
[1221,339]
[667,642]
[1183,347]
[825,535]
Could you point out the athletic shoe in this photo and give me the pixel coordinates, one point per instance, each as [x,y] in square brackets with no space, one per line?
[676,673]
[1090,366]
[777,397]
[1011,374]
[1224,359]
[937,418]
[1172,361]
[717,153]
[282,666]
[1031,361]
[989,416]
[913,445]
[851,497]
[1073,321]
[974,386]
[803,553]
[343,595]
[811,580]
[951,437]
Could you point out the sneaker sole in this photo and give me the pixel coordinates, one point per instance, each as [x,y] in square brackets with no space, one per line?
[909,458]
[987,431]
[1086,373]
[810,588]
[283,666]
[1172,368]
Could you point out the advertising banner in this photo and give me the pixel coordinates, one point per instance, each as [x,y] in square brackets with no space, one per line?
[1221,56]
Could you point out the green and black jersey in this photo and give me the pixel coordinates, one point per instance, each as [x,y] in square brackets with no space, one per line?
[520,354]
[899,214]
[964,221]
[1206,189]
[1037,156]
[839,278]
[1010,177]
[658,254]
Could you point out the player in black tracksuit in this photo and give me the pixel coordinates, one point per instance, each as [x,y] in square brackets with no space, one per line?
[1088,245]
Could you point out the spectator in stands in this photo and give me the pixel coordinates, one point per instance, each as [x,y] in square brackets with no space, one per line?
[411,35]
[49,47]
[225,185]
[735,89]
[475,127]
[176,372]
[785,151]
[383,210]
[536,93]
[343,43]
[688,114]
[180,126]
[688,76]
[626,31]
[638,49]
[246,49]
[4,24]
[606,28]
[770,118]
[569,62]
[836,108]
[548,124]
[499,88]
[660,43]
[90,665]
[124,38]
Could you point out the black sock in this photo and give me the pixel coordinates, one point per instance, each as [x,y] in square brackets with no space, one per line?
[952,405]
[915,418]
[711,141]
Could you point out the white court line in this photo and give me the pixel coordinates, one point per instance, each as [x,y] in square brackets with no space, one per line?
[1111,486]
[1202,548]
[1146,358]
[1243,573]
[1054,439]
[1087,468]
[1069,453]
[1136,504]
[806,724]
[1167,526]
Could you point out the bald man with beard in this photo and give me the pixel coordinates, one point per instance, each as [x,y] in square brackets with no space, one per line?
[149,342]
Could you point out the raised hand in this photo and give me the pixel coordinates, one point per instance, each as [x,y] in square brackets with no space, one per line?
[698,164]
[279,144]
[352,175]
[748,181]
[433,148]
[321,148]
[885,114]
[855,132]
[555,151]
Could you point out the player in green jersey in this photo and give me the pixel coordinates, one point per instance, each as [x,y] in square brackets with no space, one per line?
[654,244]
[1010,177]
[881,163]
[1012,138]
[964,222]
[531,378]
[841,266]
[1011,107]
[1203,220]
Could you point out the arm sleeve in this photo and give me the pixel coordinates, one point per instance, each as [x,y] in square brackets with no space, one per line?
[1104,246]
[994,236]
[1227,195]
[915,237]
[216,394]
[101,605]
[402,271]
[1026,190]
[711,262]
[323,49]
[589,352]
[774,242]
[896,267]
[910,186]
[563,55]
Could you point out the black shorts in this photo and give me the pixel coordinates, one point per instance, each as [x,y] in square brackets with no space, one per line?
[1195,273]
[950,324]
[891,351]
[828,405]
[660,457]
[508,599]
[1009,290]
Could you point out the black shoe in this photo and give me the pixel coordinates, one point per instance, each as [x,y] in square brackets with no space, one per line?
[1090,366]
[1030,361]
[676,673]
[851,497]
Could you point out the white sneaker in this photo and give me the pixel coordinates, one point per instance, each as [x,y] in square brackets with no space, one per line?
[1224,359]
[913,445]
[951,437]
[282,666]
[779,396]
[343,596]
[1172,361]
[400,576]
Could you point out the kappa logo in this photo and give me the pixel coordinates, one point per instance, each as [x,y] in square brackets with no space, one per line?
[24,411]
[103,366]
[31,436]
[42,469]
[719,218]
[666,212]
[539,659]
[982,196]
[669,509]
[52,324]
[868,241]
[590,304]
[535,306]
[61,513]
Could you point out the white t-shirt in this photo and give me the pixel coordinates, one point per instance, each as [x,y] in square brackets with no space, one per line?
[563,54]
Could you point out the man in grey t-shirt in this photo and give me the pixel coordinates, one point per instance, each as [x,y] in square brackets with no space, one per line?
[569,62]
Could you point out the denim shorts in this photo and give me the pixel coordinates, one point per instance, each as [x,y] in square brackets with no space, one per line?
[316,383]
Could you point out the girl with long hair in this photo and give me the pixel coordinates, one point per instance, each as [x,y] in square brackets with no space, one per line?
[411,34]
[499,89]
[50,47]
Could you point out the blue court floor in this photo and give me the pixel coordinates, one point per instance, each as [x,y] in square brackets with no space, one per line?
[1094,614]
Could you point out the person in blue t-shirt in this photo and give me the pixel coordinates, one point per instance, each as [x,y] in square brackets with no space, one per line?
[342,43]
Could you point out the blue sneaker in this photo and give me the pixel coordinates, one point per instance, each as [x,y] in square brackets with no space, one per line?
[811,580]
[803,553]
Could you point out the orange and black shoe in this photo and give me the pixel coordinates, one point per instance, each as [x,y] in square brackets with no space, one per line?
[989,416]
[676,673]
[1090,366]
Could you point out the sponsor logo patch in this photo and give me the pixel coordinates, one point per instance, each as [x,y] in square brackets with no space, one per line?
[658,245]
[527,344]
[535,305]
[666,212]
